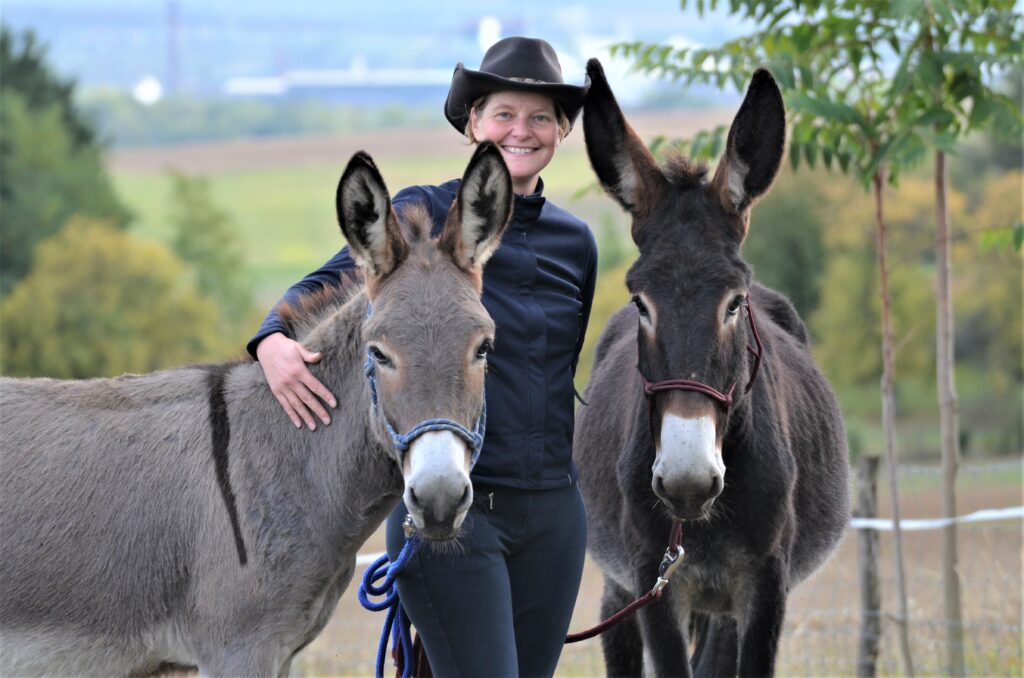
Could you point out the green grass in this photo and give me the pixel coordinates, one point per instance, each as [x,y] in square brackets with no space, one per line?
[286,220]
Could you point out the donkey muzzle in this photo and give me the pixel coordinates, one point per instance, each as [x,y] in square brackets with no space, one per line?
[438,492]
[688,472]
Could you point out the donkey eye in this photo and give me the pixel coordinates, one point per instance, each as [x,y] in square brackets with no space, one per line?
[486,346]
[640,306]
[379,357]
[734,305]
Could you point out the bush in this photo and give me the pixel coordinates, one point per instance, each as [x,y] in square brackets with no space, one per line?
[100,302]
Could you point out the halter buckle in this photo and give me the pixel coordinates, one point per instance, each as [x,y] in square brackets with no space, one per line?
[669,564]
[408,526]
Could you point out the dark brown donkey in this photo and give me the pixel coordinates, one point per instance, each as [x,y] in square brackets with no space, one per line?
[686,425]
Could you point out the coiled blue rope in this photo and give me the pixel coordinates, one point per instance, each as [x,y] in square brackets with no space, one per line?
[396,623]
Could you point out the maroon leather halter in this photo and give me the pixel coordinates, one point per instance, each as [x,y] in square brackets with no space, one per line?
[651,388]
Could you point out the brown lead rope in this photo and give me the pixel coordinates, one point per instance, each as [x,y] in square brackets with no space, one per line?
[673,559]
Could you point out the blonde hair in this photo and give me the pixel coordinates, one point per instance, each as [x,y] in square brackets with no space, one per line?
[478,105]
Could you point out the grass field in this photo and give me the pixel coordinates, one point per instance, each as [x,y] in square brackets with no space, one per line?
[821,632]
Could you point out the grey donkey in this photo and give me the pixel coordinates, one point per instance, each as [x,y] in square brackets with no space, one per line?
[177,518]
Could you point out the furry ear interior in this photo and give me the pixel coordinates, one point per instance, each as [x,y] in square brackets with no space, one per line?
[366,218]
[624,166]
[481,211]
[754,149]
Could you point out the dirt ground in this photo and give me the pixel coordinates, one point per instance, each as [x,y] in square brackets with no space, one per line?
[301,151]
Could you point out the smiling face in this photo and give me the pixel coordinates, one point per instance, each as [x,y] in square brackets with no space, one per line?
[525,127]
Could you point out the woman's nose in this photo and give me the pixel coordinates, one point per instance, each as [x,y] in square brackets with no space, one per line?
[521,127]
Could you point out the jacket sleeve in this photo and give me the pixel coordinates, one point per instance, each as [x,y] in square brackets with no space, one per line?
[329,274]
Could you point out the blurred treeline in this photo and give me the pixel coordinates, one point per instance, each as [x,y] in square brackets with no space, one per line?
[83,294]
[176,119]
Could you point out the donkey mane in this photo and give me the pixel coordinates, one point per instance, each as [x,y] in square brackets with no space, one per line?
[683,172]
[307,312]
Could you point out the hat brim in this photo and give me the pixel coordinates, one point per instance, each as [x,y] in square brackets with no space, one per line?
[468,86]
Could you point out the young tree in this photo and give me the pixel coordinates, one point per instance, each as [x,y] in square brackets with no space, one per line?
[205,238]
[872,86]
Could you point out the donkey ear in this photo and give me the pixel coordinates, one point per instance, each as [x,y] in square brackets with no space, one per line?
[624,166]
[482,208]
[754,147]
[366,218]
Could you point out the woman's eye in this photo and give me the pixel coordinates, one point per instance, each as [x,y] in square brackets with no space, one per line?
[503,115]
[486,346]
[545,119]
[640,306]
[734,305]
[379,357]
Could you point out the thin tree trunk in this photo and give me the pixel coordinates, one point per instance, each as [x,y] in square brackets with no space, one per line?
[867,555]
[889,420]
[948,424]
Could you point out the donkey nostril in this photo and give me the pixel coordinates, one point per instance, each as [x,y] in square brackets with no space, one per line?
[414,502]
[467,495]
[716,485]
[659,485]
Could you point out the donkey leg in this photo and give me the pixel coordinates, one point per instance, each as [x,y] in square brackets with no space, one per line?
[717,648]
[665,639]
[623,648]
[763,627]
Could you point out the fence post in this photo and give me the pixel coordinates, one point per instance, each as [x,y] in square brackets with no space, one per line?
[867,557]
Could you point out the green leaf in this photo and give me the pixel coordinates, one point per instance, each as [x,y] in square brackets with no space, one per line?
[935,117]
[811,154]
[944,12]
[929,70]
[1010,236]
[794,154]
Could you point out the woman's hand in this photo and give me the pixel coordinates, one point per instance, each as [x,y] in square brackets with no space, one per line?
[299,392]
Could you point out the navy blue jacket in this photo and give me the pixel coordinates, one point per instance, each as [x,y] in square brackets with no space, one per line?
[538,288]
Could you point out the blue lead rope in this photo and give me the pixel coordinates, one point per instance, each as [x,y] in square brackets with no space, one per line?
[396,623]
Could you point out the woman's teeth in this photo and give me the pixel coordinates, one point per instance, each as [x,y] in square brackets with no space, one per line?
[517,149]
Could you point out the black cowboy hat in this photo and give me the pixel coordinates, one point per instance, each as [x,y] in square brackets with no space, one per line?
[520,64]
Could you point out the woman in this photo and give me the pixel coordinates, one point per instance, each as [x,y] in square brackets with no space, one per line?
[501,604]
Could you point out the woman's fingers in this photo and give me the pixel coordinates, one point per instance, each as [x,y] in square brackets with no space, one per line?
[296,389]
[321,392]
[311,402]
[300,408]
[288,409]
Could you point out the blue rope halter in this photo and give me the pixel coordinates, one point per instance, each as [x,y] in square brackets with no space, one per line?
[402,441]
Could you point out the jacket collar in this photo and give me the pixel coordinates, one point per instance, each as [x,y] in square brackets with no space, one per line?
[527,208]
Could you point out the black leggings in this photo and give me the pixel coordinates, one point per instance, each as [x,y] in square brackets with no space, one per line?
[500,601]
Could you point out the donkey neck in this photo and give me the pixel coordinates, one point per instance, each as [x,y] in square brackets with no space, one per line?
[351,457]
[336,483]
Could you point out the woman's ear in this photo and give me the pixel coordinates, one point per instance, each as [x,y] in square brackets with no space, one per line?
[474,120]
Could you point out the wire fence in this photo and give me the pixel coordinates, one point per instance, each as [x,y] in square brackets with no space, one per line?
[823,615]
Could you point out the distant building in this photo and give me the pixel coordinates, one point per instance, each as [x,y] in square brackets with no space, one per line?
[358,84]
